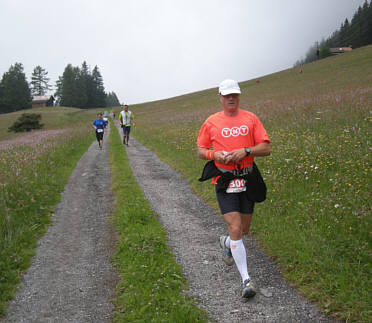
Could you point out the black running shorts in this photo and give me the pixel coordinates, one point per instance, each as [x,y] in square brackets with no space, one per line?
[99,135]
[234,202]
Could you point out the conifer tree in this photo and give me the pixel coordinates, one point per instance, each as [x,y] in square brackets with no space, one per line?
[84,86]
[58,93]
[68,89]
[81,88]
[369,17]
[356,33]
[15,92]
[39,81]
[112,100]
[99,94]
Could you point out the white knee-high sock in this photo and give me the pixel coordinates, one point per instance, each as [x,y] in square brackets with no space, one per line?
[240,257]
[227,242]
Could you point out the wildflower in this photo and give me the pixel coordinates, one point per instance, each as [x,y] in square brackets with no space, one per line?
[337,206]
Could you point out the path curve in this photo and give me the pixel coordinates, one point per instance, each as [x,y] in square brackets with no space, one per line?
[193,229]
[71,278]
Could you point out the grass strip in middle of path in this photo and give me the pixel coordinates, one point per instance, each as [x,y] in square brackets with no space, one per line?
[151,286]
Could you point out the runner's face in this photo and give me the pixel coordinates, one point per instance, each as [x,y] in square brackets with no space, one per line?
[230,102]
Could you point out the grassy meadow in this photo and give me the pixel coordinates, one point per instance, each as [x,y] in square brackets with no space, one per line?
[316,221]
[34,168]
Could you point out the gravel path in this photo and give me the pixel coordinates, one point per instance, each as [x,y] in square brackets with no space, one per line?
[193,229]
[71,278]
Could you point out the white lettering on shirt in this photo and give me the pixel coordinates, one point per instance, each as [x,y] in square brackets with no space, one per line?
[235,131]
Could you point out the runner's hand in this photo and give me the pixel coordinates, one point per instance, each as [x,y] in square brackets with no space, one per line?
[235,156]
[220,157]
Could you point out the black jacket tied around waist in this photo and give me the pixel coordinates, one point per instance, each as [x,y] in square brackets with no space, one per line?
[256,187]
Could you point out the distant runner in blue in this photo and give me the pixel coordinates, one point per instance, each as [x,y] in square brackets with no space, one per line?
[99,125]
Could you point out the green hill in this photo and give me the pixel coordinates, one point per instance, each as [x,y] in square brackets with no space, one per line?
[316,221]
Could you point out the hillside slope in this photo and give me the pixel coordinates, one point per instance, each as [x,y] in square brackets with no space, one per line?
[316,220]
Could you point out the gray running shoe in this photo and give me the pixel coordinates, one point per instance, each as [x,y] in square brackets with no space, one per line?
[248,289]
[226,252]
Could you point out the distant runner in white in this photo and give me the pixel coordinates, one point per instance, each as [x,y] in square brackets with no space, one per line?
[126,119]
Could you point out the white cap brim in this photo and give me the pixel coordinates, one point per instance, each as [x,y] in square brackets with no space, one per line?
[230,91]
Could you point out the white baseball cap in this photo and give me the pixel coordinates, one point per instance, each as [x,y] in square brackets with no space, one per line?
[229,87]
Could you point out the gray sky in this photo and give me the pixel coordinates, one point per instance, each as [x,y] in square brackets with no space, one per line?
[154,49]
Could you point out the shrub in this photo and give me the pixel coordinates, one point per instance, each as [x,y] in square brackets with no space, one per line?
[26,122]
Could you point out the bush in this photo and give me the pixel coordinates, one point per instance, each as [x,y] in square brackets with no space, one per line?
[26,122]
[325,52]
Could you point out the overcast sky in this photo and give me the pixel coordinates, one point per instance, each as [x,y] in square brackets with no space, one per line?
[154,49]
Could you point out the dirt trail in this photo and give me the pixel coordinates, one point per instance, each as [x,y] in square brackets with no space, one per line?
[71,278]
[193,229]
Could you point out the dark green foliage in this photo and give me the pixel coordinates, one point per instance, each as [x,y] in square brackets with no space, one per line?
[26,122]
[324,52]
[66,87]
[112,100]
[39,81]
[98,90]
[15,93]
[81,88]
[356,33]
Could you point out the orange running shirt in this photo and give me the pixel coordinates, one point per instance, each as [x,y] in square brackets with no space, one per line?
[229,133]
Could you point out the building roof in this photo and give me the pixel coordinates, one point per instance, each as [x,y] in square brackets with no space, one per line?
[42,98]
[339,50]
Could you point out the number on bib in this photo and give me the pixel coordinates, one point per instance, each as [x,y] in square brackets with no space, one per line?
[236,185]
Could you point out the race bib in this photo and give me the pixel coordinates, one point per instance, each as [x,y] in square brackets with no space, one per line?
[99,130]
[236,185]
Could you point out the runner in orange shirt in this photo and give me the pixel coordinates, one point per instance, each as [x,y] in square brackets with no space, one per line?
[237,136]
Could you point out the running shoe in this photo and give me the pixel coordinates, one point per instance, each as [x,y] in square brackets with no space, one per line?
[248,289]
[226,252]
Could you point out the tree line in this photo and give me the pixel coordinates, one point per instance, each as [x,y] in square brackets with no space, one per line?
[77,87]
[355,33]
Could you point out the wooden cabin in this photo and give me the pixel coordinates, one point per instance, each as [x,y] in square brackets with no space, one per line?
[42,101]
[340,50]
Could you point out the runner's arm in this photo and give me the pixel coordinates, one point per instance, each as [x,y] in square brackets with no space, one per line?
[261,149]
[219,156]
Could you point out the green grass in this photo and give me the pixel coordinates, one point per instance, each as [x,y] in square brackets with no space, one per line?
[152,285]
[316,221]
[52,118]
[31,179]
